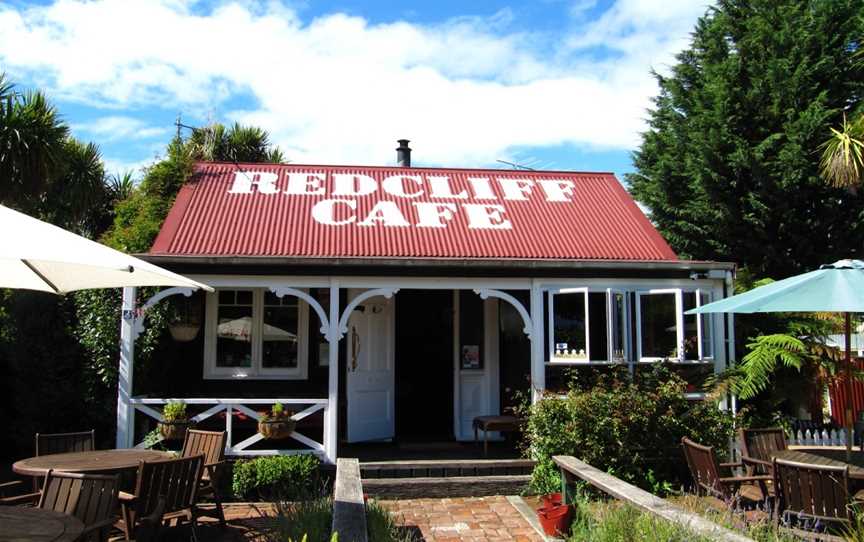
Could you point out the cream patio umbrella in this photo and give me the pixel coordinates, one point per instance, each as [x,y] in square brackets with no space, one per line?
[836,287]
[35,255]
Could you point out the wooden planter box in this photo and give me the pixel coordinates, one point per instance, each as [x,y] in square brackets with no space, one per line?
[175,430]
[277,429]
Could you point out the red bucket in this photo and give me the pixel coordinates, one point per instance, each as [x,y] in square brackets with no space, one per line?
[555,520]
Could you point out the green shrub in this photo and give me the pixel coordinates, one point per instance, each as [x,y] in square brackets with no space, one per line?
[287,477]
[630,429]
[617,522]
[311,521]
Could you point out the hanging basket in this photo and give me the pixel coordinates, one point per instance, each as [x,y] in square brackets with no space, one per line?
[276,429]
[174,430]
[184,333]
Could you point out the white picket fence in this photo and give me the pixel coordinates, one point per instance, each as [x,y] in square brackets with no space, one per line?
[819,438]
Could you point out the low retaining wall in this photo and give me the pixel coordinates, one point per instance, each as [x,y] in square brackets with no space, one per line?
[572,467]
[349,508]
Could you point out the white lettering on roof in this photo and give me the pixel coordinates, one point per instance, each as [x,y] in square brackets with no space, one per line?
[342,190]
[245,180]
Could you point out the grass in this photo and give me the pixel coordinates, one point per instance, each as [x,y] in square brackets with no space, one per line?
[310,521]
[614,521]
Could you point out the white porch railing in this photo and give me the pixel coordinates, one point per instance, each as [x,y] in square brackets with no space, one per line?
[145,405]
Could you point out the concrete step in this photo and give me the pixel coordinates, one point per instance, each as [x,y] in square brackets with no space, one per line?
[445,468]
[445,486]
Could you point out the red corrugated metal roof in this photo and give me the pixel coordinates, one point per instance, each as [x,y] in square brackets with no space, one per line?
[296,210]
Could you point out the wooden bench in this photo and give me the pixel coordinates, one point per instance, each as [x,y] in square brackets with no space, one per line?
[494,423]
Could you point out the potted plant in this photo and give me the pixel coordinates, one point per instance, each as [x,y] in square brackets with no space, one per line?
[174,421]
[276,423]
[185,319]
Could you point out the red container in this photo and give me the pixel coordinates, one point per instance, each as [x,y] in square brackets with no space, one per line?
[555,519]
[552,499]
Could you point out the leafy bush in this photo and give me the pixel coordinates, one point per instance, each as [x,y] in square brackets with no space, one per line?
[630,429]
[287,477]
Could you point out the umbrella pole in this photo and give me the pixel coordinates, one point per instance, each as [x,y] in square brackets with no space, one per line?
[848,387]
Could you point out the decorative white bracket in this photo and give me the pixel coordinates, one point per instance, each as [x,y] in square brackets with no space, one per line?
[138,326]
[282,291]
[343,321]
[486,293]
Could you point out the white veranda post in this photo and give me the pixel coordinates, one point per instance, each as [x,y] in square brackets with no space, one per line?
[333,335]
[538,369]
[125,410]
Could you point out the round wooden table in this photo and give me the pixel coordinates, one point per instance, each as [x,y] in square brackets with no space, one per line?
[18,523]
[96,461]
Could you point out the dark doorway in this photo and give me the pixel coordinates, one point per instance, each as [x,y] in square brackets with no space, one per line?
[424,365]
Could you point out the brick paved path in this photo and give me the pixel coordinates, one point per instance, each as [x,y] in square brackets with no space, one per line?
[476,519]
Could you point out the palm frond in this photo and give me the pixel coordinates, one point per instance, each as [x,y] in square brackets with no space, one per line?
[842,160]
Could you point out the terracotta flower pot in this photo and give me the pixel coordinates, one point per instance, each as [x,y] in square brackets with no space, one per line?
[174,430]
[277,429]
[555,519]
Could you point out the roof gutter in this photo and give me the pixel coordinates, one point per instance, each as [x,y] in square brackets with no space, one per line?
[432,263]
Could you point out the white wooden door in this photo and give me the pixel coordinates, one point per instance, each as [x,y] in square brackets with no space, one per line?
[370,372]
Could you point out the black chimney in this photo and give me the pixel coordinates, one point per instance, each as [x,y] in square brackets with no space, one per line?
[403,153]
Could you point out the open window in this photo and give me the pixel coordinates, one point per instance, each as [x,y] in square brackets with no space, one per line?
[587,327]
[664,332]
[251,333]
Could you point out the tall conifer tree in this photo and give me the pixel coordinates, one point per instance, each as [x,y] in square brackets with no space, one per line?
[729,167]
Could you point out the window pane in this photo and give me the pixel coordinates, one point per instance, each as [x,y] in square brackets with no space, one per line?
[691,337]
[619,325]
[569,326]
[280,332]
[597,326]
[657,314]
[234,331]
[707,328]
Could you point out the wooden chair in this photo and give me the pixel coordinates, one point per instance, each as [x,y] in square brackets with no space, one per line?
[758,447]
[212,445]
[818,493]
[61,443]
[91,498]
[150,526]
[175,480]
[706,475]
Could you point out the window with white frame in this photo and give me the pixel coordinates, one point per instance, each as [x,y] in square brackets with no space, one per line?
[665,332]
[252,333]
[587,326]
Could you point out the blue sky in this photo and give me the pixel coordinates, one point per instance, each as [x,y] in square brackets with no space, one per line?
[552,84]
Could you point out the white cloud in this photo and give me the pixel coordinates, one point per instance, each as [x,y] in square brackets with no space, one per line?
[113,128]
[339,89]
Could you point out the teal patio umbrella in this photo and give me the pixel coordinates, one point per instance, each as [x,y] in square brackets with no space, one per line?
[838,287]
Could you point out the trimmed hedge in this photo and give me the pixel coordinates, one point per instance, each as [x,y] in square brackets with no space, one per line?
[285,477]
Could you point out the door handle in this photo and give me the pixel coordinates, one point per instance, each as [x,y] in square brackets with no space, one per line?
[355,348]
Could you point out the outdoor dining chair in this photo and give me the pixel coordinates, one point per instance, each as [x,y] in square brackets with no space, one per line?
[149,527]
[212,445]
[706,475]
[92,498]
[61,443]
[758,447]
[811,494]
[174,480]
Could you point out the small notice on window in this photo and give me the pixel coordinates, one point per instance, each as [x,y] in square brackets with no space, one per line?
[471,356]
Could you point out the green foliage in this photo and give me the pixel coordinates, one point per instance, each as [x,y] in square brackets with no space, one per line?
[630,429]
[729,164]
[285,476]
[618,522]
[276,412]
[306,520]
[174,411]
